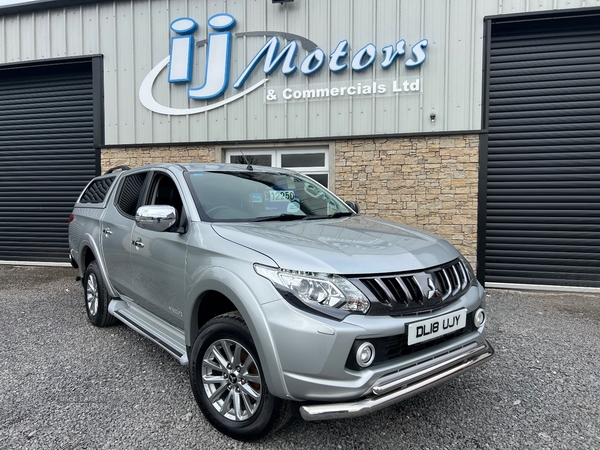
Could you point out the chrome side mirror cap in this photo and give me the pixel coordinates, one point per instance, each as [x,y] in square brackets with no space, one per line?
[156,217]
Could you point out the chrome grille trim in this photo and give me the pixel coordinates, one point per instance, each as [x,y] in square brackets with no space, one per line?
[464,275]
[448,283]
[405,290]
[384,288]
[457,281]
[418,291]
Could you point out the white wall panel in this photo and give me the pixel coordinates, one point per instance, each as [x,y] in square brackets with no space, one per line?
[340,16]
[12,49]
[134,36]
[317,112]
[459,65]
[74,31]
[435,69]
[90,39]
[360,106]
[108,47]
[127,88]
[27,34]
[142,49]
[159,41]
[387,29]
[58,33]
[294,20]
[411,27]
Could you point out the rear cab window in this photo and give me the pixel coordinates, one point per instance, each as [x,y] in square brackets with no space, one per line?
[95,192]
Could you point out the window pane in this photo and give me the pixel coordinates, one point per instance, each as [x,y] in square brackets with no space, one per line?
[245,195]
[319,177]
[303,160]
[254,160]
[130,192]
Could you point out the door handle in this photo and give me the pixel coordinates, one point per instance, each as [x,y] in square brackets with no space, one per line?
[138,243]
[107,232]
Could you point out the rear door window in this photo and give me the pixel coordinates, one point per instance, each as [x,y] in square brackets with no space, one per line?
[128,199]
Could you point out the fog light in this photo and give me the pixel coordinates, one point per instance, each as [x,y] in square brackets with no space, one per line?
[365,354]
[479,318]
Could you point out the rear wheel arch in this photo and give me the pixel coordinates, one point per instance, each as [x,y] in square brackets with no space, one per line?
[96,297]
[89,253]
[87,256]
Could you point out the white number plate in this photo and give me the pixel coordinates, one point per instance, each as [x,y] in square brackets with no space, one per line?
[436,327]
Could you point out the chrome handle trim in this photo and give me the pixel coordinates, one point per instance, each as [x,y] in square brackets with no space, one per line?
[138,243]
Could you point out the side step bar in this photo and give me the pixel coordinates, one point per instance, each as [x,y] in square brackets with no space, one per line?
[154,328]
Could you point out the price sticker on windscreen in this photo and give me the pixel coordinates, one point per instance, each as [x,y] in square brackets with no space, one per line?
[279,196]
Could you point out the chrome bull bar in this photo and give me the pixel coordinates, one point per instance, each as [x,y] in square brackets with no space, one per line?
[402,385]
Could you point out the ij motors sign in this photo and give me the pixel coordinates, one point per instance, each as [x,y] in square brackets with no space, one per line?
[299,54]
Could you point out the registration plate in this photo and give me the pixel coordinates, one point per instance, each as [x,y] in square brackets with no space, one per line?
[425,330]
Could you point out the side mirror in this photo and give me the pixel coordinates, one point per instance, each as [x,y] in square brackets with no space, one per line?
[353,206]
[156,217]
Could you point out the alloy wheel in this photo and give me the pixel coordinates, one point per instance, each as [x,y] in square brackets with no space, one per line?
[91,294]
[231,380]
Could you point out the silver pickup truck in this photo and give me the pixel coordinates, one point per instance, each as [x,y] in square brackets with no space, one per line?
[280,297]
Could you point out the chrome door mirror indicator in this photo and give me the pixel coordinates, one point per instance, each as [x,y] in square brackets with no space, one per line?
[156,217]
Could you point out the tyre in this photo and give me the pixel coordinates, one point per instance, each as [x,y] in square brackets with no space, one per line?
[96,298]
[229,384]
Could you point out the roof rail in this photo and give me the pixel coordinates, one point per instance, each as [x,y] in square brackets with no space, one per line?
[122,168]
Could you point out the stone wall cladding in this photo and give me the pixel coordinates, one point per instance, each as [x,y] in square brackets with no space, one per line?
[426,182]
[134,157]
[429,183]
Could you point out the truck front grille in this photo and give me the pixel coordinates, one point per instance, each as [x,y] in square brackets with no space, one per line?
[411,293]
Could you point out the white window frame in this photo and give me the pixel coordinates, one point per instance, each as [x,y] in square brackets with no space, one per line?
[277,152]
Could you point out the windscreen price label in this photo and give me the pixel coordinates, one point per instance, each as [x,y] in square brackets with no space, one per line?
[279,196]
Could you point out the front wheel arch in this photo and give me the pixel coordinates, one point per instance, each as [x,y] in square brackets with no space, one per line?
[237,292]
[208,306]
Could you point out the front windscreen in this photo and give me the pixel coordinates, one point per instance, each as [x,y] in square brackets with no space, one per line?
[223,196]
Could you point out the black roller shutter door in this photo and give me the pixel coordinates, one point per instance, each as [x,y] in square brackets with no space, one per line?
[47,156]
[543,168]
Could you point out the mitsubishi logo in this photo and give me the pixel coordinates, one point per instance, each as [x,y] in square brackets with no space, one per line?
[433,292]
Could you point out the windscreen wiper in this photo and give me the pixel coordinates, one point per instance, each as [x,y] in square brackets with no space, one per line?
[340,214]
[281,217]
[332,216]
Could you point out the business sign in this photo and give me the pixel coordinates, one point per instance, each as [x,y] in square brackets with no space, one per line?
[180,62]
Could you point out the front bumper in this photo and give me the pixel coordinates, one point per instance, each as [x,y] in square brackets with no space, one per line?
[404,384]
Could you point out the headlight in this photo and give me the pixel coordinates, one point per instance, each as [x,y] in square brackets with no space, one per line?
[318,289]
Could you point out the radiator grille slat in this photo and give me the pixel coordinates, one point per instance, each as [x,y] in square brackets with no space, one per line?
[413,293]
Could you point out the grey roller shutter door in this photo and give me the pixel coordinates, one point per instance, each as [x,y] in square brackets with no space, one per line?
[47,156]
[543,168]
